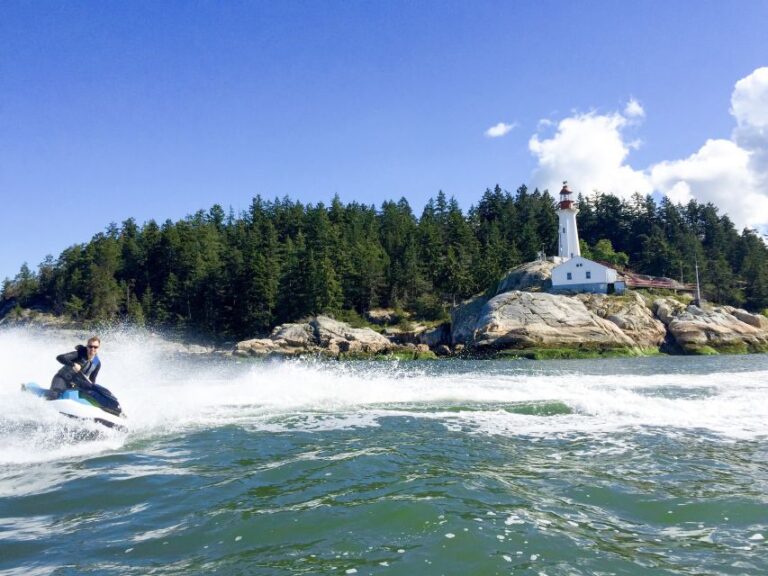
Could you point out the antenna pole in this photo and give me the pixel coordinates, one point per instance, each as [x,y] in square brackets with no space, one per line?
[698,287]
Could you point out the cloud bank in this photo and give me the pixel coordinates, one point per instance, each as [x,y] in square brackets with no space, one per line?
[591,151]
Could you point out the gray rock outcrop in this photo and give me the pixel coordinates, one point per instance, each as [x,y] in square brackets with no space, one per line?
[409,334]
[464,320]
[294,335]
[321,335]
[718,329]
[420,334]
[331,334]
[533,276]
[666,309]
[11,316]
[541,320]
[440,335]
[630,314]
[756,320]
[384,316]
[525,320]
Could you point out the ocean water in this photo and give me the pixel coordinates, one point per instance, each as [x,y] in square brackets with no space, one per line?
[648,466]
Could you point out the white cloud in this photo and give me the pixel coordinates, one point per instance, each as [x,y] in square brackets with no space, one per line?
[719,173]
[749,105]
[633,109]
[732,174]
[588,150]
[749,98]
[501,129]
[680,192]
[591,152]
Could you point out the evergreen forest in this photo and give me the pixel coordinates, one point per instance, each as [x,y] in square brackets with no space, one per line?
[226,275]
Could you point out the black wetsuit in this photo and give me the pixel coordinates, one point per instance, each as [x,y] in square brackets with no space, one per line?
[66,377]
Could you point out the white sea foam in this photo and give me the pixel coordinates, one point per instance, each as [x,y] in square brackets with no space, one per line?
[164,394]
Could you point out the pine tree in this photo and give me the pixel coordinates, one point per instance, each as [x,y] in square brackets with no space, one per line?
[293,295]
[102,290]
[234,275]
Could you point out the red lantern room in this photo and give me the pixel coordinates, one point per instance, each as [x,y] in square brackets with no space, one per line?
[565,197]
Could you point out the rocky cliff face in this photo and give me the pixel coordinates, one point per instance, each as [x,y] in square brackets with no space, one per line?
[522,320]
[464,320]
[522,315]
[533,276]
[716,329]
[518,320]
[630,314]
[322,335]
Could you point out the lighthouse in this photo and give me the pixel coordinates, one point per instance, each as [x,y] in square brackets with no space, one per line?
[568,237]
[574,273]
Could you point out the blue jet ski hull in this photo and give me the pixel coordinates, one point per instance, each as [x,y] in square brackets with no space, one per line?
[76,405]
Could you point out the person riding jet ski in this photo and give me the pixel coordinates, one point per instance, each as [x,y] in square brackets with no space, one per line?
[83,361]
[74,391]
[79,372]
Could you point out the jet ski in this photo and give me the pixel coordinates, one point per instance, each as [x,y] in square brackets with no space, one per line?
[92,403]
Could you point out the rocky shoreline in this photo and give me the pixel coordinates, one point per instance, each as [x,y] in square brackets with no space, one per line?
[522,319]
[535,325]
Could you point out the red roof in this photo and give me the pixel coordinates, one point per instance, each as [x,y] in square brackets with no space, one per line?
[644,281]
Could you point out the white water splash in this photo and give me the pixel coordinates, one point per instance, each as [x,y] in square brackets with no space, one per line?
[165,394]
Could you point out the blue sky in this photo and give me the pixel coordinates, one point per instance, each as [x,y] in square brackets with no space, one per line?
[153,110]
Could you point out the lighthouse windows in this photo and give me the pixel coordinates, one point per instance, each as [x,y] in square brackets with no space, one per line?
[569,276]
[589,274]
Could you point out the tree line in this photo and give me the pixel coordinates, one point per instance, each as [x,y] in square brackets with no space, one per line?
[231,275]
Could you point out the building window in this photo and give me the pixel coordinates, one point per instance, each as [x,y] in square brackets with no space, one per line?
[589,274]
[569,276]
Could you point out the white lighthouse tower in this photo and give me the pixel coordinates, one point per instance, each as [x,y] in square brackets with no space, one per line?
[568,237]
[574,273]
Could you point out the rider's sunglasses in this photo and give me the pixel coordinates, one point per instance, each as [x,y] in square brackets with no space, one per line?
[92,346]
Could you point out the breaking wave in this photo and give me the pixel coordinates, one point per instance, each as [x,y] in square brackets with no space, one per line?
[165,392]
